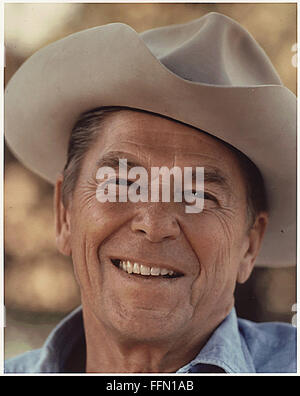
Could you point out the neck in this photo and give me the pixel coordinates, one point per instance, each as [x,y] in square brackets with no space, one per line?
[110,352]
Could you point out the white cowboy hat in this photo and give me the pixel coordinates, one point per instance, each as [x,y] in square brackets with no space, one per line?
[209,73]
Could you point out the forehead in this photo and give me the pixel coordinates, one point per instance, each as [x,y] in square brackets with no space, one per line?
[156,140]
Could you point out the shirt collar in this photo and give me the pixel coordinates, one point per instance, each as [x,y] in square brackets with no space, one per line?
[226,348]
[61,342]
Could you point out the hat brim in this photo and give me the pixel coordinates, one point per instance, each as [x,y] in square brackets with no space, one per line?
[111,65]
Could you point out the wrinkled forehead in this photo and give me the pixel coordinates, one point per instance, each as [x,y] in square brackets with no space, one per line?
[157,140]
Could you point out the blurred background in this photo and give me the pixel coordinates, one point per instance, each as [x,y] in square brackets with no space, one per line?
[39,283]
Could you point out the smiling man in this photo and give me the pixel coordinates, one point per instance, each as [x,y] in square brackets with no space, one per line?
[157,283]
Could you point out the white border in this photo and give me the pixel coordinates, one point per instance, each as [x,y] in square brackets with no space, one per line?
[2,64]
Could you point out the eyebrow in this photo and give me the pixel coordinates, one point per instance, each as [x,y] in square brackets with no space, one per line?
[214,175]
[112,159]
[211,174]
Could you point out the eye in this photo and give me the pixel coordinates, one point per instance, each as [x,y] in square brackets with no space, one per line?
[123,182]
[116,183]
[210,197]
[194,194]
[119,182]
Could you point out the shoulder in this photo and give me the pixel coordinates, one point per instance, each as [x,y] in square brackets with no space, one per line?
[54,354]
[28,362]
[272,345]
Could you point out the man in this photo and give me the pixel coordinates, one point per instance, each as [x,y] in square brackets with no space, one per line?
[157,282]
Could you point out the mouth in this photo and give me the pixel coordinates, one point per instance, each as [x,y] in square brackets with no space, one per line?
[138,269]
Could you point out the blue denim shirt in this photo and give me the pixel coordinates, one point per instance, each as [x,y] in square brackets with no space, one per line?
[236,346]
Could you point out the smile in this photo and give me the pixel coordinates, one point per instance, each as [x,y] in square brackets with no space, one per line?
[136,268]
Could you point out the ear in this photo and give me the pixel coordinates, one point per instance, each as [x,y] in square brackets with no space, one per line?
[62,220]
[252,246]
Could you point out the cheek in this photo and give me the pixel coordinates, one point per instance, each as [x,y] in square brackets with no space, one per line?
[98,220]
[212,237]
[215,239]
[91,224]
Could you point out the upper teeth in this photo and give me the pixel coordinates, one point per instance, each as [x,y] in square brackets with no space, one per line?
[136,268]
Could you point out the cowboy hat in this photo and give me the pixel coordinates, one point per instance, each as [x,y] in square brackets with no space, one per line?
[209,73]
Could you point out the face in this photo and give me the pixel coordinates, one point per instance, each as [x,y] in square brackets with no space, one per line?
[207,251]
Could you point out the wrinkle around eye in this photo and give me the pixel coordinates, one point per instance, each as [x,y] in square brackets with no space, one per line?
[87,193]
[225,222]
[216,207]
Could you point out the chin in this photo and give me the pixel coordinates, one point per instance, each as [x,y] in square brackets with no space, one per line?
[147,325]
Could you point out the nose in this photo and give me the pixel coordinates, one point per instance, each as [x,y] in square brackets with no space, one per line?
[156,223]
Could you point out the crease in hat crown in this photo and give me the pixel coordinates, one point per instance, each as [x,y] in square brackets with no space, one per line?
[232,57]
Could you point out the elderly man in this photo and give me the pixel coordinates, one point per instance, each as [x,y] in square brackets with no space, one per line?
[157,280]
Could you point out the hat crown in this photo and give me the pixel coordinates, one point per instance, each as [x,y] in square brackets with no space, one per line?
[213,49]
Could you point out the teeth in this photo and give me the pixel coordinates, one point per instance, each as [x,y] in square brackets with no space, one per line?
[155,271]
[145,270]
[136,268]
[129,267]
[164,271]
[141,269]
